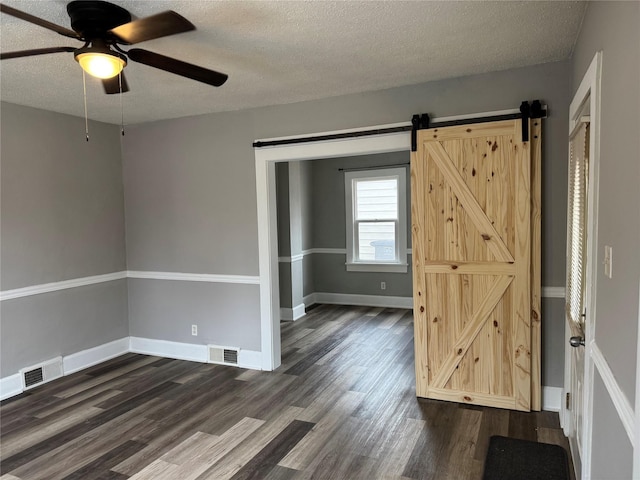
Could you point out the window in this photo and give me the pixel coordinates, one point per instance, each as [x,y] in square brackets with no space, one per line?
[376,208]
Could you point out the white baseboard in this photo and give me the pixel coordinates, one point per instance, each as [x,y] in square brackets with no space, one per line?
[250,359]
[293,314]
[10,386]
[360,300]
[165,348]
[93,356]
[553,292]
[189,351]
[551,399]
[310,299]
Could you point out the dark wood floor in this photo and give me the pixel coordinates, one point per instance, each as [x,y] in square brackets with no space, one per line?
[341,406]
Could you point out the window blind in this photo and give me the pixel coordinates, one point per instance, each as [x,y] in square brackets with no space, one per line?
[577,209]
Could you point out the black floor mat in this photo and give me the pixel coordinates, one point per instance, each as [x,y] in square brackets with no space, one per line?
[511,459]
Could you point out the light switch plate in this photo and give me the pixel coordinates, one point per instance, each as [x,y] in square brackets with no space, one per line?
[608,261]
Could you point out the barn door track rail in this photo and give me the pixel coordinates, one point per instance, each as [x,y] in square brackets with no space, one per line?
[528,110]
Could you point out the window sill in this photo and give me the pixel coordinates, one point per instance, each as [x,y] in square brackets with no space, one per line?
[377,267]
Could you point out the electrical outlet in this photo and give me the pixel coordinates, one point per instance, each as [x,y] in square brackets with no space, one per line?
[194,330]
[608,261]
[383,285]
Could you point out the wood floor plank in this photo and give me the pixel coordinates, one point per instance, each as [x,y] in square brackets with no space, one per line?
[440,420]
[167,434]
[392,316]
[327,400]
[252,446]
[32,435]
[55,464]
[458,460]
[342,406]
[281,473]
[90,397]
[158,470]
[334,465]
[18,422]
[523,425]
[267,459]
[114,375]
[102,465]
[494,422]
[111,475]
[302,454]
[193,460]
[60,439]
[193,447]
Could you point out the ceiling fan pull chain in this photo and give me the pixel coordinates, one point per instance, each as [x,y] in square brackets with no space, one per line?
[86,117]
[121,106]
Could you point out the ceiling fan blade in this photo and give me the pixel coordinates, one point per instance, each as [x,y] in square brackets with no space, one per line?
[38,21]
[36,51]
[112,85]
[155,26]
[178,67]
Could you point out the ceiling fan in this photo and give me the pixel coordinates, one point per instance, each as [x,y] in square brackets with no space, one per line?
[103,27]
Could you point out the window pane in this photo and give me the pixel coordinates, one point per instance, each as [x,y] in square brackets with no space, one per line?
[377,241]
[376,199]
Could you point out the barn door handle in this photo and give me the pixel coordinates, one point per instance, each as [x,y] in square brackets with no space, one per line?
[576,342]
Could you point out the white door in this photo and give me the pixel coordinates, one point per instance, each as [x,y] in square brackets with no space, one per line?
[581,267]
[576,276]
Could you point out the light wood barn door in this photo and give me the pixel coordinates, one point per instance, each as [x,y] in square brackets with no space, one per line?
[471,224]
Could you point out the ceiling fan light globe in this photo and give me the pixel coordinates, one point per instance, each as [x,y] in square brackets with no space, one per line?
[100,65]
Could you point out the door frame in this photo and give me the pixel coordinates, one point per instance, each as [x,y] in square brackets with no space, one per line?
[589,89]
[266,158]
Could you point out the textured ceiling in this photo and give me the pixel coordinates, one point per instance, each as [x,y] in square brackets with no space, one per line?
[279,52]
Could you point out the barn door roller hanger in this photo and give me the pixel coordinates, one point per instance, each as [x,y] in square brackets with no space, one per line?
[535,109]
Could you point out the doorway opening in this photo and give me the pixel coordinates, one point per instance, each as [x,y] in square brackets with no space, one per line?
[266,159]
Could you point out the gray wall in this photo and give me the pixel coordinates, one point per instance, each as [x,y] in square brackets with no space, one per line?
[41,327]
[190,196]
[329,229]
[612,456]
[162,309]
[553,342]
[62,198]
[306,205]
[306,208]
[284,233]
[614,28]
[190,182]
[191,208]
[62,218]
[282,204]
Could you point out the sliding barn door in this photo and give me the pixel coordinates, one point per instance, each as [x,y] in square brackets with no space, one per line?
[472,264]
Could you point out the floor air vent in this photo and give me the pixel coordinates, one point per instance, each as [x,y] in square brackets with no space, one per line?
[223,355]
[42,373]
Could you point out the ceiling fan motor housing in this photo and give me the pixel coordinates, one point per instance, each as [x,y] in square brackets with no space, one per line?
[93,18]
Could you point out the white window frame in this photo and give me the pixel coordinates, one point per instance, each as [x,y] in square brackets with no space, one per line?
[399,265]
